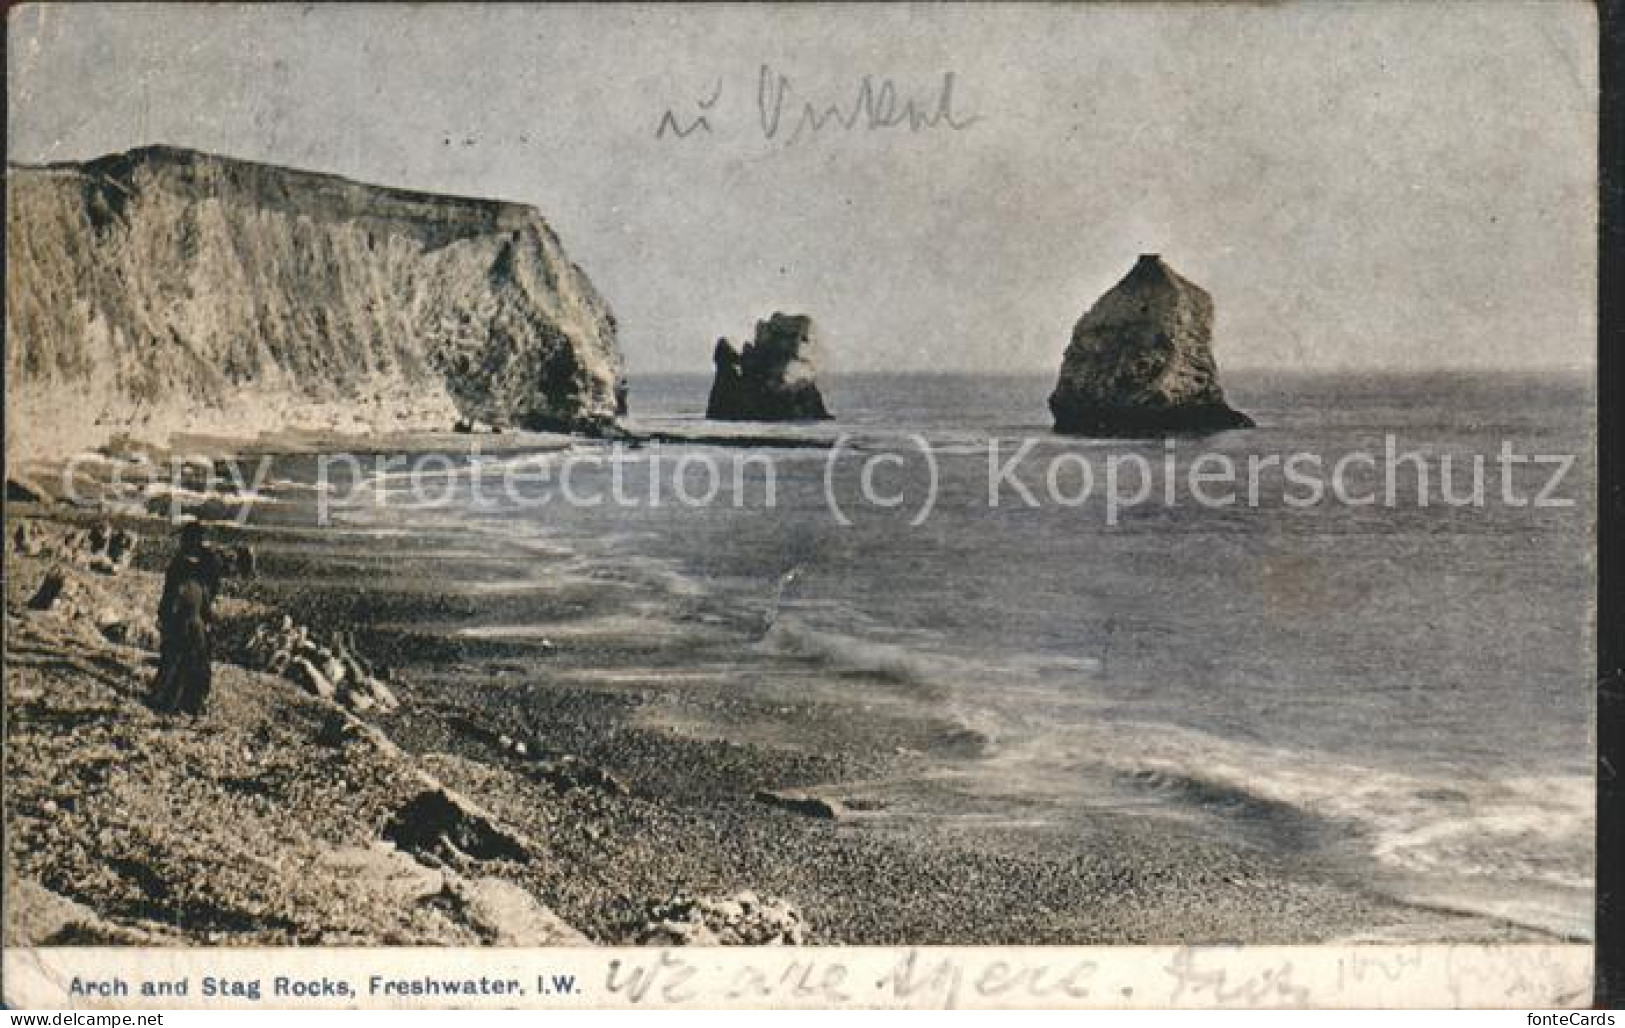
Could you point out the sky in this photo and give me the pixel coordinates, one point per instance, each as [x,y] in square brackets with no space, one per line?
[1367,185]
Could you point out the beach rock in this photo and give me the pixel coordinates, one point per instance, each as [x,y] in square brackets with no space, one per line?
[342,642]
[384,692]
[363,693]
[333,668]
[25,539]
[744,919]
[772,379]
[52,592]
[383,695]
[267,648]
[119,627]
[438,824]
[306,675]
[381,869]
[108,550]
[121,546]
[504,914]
[36,916]
[1141,361]
[338,730]
[167,290]
[803,803]
[865,804]
[677,933]
[334,671]
[569,773]
[19,492]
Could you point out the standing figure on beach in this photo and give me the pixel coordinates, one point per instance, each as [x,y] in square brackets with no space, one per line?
[184,615]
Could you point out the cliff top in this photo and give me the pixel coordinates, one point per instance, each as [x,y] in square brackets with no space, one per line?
[278,185]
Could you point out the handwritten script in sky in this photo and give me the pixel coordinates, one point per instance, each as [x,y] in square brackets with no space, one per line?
[785,113]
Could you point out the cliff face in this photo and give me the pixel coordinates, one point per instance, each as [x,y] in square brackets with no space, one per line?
[774,378]
[1141,361]
[163,290]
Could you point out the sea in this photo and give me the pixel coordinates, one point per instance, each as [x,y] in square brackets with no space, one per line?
[1399,653]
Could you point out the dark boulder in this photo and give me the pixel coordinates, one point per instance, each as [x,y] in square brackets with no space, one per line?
[50,591]
[437,824]
[803,803]
[19,492]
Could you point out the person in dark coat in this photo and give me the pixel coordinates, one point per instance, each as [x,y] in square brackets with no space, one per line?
[184,614]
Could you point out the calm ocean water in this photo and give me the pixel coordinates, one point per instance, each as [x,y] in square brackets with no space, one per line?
[1419,675]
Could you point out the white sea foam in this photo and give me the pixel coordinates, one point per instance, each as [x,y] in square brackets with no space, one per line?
[1517,848]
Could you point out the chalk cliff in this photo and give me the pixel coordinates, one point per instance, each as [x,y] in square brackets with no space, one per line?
[165,290]
[1141,361]
[773,378]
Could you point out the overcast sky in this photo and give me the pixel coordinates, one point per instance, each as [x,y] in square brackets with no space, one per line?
[1373,185]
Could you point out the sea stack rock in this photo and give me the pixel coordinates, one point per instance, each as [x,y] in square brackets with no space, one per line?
[773,378]
[1141,361]
[165,290]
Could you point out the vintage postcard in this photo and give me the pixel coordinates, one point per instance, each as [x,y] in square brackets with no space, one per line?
[800,505]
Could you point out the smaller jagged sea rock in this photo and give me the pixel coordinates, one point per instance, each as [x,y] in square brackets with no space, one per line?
[773,378]
[1141,361]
